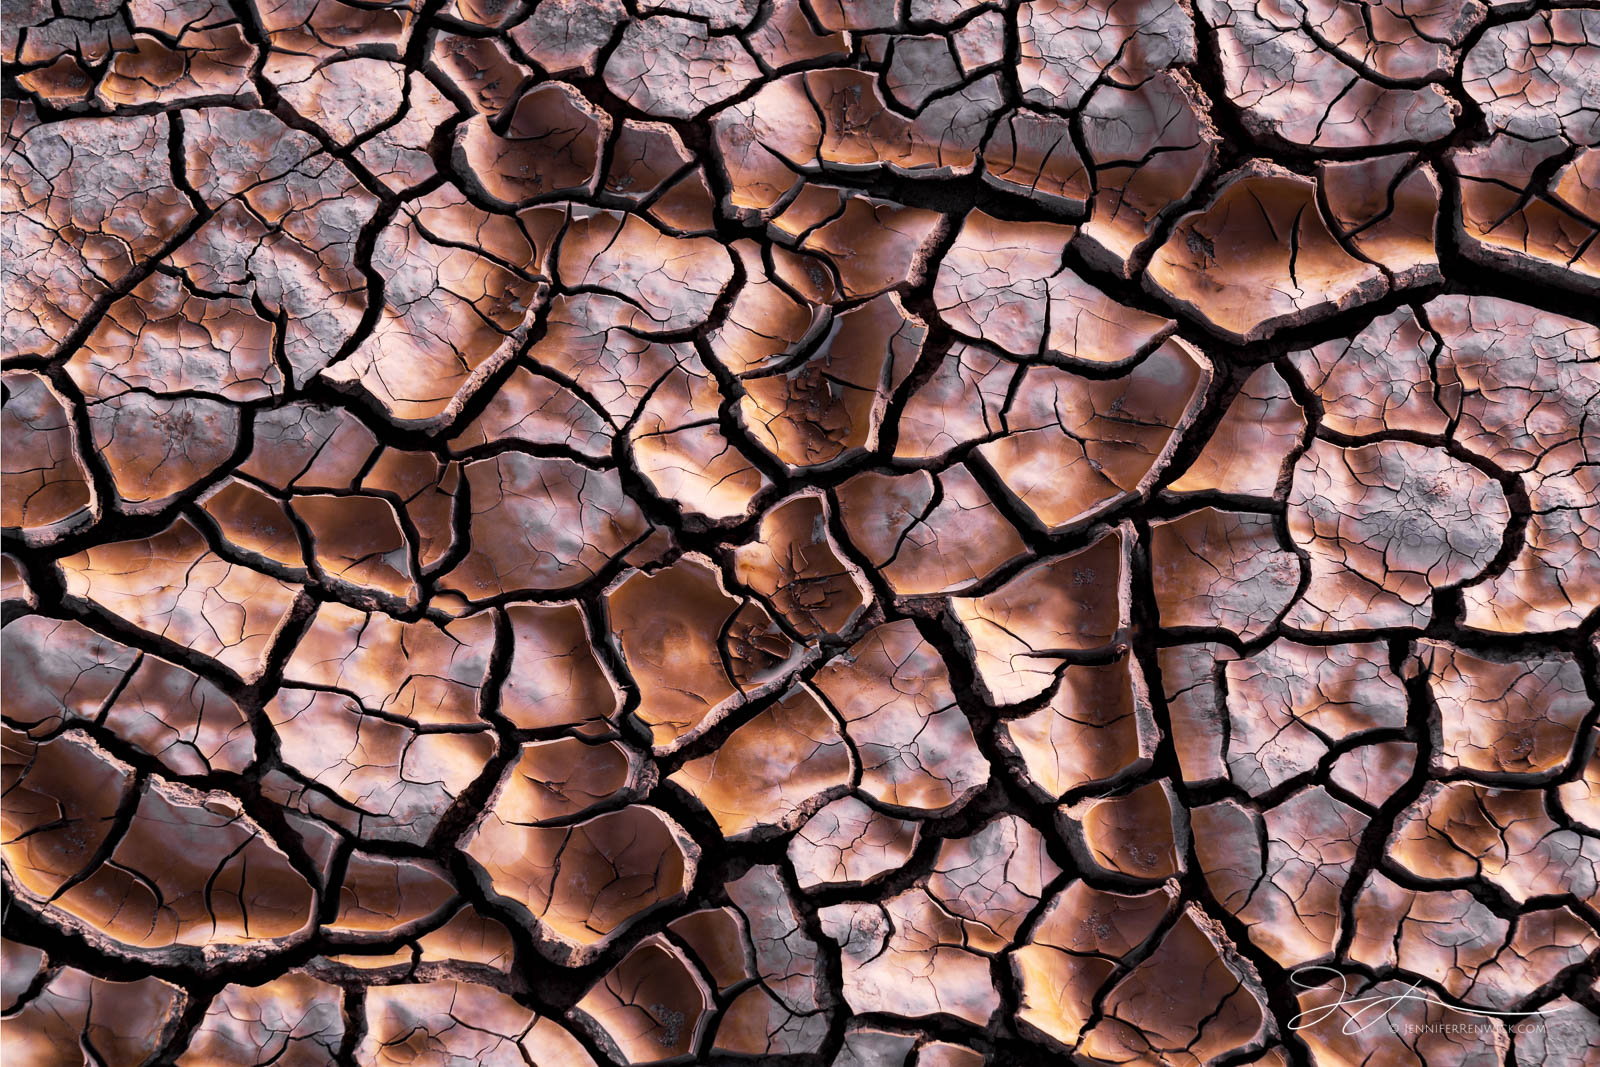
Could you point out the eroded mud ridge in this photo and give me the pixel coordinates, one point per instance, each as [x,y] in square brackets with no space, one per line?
[811,532]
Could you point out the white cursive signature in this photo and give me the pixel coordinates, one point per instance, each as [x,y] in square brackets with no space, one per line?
[1369,1011]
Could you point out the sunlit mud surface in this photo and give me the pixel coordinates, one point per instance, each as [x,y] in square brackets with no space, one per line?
[870,533]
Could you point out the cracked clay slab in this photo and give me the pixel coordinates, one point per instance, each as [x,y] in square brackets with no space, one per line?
[821,533]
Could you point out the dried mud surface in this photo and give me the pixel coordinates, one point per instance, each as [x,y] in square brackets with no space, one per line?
[813,532]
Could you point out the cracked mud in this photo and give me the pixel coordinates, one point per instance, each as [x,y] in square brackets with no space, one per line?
[828,533]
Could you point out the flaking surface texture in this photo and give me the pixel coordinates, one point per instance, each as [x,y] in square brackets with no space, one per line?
[821,533]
